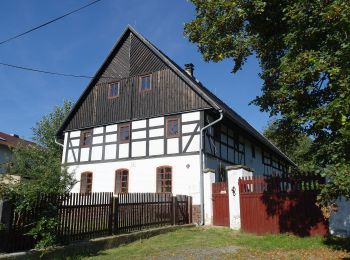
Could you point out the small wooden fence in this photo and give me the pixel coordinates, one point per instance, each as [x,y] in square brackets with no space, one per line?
[146,210]
[279,204]
[82,216]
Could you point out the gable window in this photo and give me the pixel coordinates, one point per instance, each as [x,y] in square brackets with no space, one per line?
[172,127]
[113,91]
[121,181]
[124,133]
[145,82]
[164,179]
[86,138]
[86,182]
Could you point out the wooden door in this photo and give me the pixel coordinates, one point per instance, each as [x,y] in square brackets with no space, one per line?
[221,214]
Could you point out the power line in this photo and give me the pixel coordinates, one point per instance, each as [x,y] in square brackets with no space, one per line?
[56,73]
[47,23]
[47,72]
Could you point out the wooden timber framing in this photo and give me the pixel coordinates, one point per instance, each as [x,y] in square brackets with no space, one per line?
[173,91]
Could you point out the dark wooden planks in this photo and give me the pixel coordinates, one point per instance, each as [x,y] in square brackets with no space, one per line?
[169,93]
[281,203]
[83,216]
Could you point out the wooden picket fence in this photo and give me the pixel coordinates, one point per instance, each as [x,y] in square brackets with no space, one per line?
[281,204]
[83,216]
[146,210]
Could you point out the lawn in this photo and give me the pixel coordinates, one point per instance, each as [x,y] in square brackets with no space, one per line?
[223,243]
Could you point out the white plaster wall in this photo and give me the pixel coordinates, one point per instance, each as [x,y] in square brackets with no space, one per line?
[156,121]
[111,138]
[123,150]
[142,175]
[188,128]
[110,151]
[194,145]
[138,124]
[172,145]
[112,128]
[138,149]
[156,147]
[73,155]
[190,116]
[339,223]
[97,140]
[98,130]
[84,154]
[74,142]
[138,132]
[138,135]
[209,179]
[156,132]
[75,134]
[96,153]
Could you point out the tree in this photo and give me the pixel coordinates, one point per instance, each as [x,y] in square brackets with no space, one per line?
[40,171]
[304,52]
[298,148]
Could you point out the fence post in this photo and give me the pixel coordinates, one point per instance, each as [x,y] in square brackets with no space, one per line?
[6,210]
[115,215]
[174,202]
[189,209]
[6,219]
[110,219]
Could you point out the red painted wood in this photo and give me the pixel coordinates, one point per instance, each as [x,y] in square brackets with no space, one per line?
[221,215]
[281,204]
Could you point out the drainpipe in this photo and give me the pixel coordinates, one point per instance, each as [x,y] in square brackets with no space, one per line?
[201,158]
[58,143]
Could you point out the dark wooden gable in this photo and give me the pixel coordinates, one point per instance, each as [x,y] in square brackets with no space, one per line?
[131,58]
[119,66]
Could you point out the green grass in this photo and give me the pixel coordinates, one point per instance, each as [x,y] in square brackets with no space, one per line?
[198,238]
[282,241]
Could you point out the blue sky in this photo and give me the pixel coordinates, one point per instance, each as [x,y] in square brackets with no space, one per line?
[79,43]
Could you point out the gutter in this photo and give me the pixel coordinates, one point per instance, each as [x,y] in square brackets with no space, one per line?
[58,143]
[201,163]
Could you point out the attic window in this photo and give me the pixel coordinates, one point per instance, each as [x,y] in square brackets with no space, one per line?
[113,91]
[145,82]
[124,133]
[172,127]
[86,138]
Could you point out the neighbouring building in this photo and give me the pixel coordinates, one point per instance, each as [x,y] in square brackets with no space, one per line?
[7,142]
[136,128]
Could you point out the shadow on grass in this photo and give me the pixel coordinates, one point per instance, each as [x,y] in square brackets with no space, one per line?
[80,252]
[337,243]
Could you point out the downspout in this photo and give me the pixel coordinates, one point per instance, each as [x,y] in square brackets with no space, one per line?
[201,158]
[58,143]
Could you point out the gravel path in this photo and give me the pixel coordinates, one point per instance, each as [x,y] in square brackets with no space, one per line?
[198,254]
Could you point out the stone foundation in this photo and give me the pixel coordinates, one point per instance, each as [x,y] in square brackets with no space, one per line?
[196,213]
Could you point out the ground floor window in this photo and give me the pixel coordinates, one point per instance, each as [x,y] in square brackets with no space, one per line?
[164,179]
[86,182]
[121,181]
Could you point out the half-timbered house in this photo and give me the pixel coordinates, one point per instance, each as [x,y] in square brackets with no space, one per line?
[137,128]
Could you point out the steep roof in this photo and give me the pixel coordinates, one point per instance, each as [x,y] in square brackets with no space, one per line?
[12,140]
[204,92]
